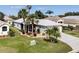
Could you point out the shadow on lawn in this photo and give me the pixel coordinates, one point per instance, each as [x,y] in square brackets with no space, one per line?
[51,39]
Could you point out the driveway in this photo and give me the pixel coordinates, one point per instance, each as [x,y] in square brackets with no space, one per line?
[72,41]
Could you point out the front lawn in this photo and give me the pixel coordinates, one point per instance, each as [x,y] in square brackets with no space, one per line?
[21,44]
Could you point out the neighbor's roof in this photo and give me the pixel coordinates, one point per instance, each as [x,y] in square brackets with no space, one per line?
[2,23]
[71,19]
[67,19]
[19,20]
[45,22]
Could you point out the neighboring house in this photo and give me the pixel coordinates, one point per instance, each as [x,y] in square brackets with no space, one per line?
[8,20]
[56,19]
[71,20]
[4,29]
[65,21]
[53,18]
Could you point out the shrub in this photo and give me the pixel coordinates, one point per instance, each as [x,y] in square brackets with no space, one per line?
[22,31]
[53,34]
[11,33]
[70,27]
[65,27]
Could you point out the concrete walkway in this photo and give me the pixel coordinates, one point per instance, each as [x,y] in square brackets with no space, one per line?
[72,41]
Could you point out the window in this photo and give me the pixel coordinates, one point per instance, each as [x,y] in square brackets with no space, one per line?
[60,22]
[4,28]
[38,30]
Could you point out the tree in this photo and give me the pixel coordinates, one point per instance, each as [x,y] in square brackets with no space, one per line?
[39,15]
[13,17]
[61,16]
[23,14]
[28,7]
[71,14]
[49,12]
[2,16]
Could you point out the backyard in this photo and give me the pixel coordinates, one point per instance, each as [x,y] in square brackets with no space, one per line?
[21,44]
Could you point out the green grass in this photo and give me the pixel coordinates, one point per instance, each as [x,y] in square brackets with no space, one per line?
[21,44]
[74,33]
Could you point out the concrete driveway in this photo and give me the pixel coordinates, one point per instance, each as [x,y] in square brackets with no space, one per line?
[72,41]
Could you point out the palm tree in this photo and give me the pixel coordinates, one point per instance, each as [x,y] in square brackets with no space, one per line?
[55,33]
[23,14]
[49,12]
[28,7]
[49,32]
[31,17]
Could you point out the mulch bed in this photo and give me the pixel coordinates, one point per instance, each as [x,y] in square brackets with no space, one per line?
[3,37]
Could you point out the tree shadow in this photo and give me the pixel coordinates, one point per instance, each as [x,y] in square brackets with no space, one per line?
[51,39]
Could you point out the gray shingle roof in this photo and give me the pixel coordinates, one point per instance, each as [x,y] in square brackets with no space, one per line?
[53,18]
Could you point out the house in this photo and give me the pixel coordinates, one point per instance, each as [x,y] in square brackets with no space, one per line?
[44,24]
[18,23]
[4,28]
[65,21]
[53,18]
[56,19]
[71,20]
[40,26]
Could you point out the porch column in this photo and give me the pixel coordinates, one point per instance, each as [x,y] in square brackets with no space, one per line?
[60,29]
